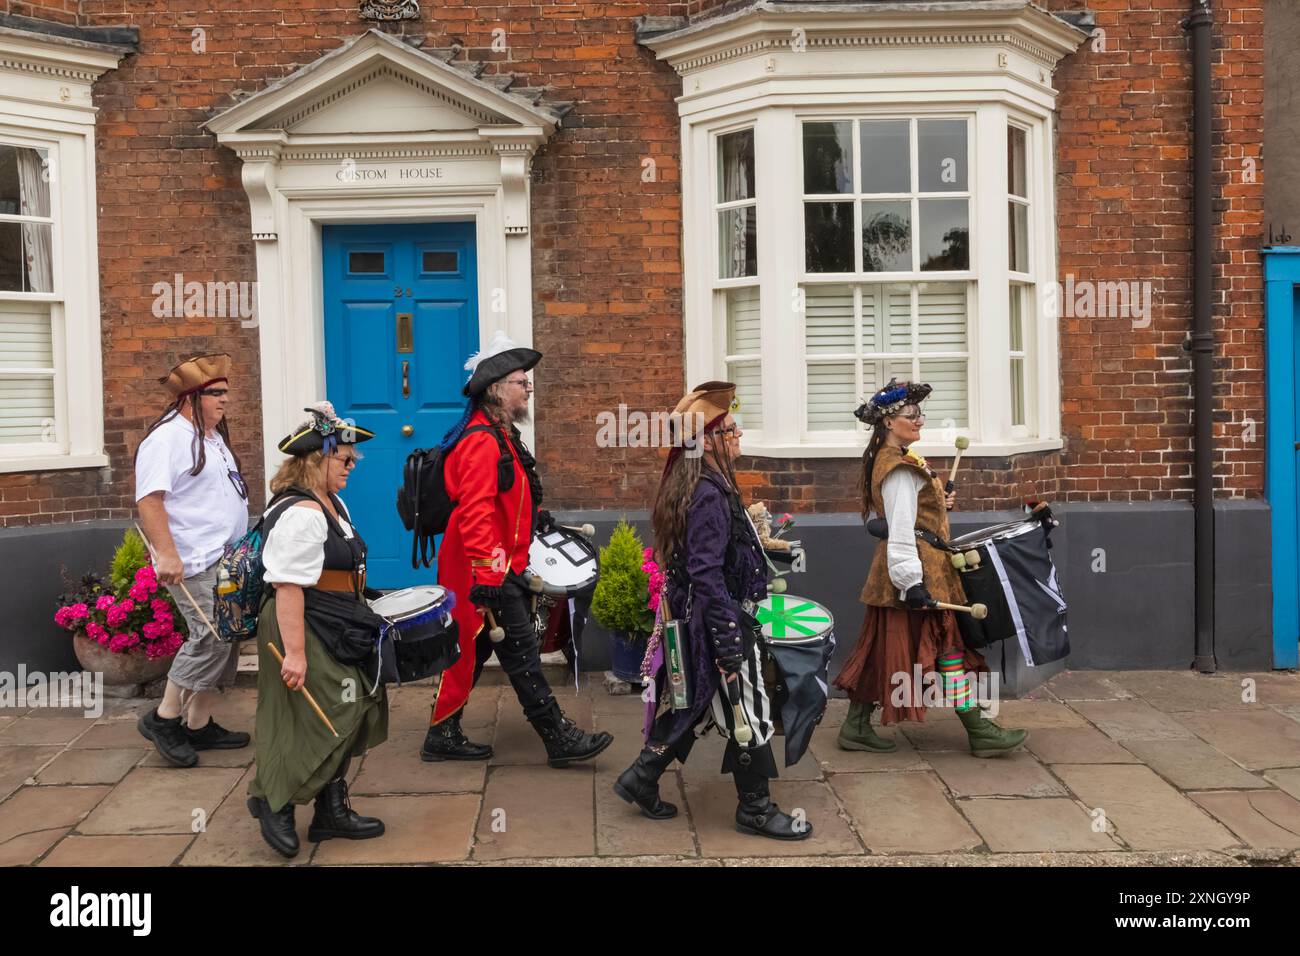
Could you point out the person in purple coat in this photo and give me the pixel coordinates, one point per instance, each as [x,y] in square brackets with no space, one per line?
[715,573]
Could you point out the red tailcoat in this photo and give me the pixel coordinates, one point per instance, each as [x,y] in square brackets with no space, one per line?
[488,533]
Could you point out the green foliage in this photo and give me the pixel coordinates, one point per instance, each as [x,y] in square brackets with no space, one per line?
[620,600]
[131,555]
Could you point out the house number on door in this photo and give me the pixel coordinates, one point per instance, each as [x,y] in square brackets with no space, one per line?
[398,292]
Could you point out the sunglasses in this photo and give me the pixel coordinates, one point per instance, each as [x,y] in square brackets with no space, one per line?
[348,461]
[237,480]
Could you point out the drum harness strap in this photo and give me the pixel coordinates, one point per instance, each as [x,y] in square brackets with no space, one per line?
[878,528]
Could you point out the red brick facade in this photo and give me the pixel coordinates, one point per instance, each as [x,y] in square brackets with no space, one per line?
[607,245]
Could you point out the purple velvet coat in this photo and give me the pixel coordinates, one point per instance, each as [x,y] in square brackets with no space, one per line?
[724,564]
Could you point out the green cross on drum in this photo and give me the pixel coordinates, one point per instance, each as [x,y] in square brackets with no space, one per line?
[793,620]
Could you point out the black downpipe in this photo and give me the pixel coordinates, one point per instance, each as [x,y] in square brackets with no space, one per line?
[1198,25]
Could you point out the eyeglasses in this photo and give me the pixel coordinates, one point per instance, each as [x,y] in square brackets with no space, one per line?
[728,430]
[523,382]
[215,392]
[348,461]
[917,417]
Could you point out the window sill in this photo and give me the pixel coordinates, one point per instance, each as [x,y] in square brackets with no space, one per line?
[927,448]
[51,462]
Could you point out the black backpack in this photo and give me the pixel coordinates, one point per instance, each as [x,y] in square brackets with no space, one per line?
[423,503]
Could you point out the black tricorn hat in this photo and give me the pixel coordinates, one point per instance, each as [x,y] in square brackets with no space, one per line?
[324,431]
[497,361]
[890,400]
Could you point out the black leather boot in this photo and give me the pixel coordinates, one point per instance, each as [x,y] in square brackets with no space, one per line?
[278,829]
[565,741]
[446,741]
[335,817]
[757,814]
[639,784]
[169,738]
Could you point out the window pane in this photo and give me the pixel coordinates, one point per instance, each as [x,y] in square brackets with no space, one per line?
[942,160]
[872,336]
[1014,314]
[366,263]
[832,396]
[828,236]
[746,376]
[738,242]
[828,157]
[743,325]
[26,340]
[736,166]
[1018,236]
[886,236]
[828,319]
[944,235]
[876,374]
[1017,180]
[438,261]
[898,319]
[26,410]
[947,403]
[24,181]
[26,257]
[941,317]
[1017,391]
[886,156]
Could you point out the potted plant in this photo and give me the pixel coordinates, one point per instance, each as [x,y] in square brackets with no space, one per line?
[127,628]
[622,602]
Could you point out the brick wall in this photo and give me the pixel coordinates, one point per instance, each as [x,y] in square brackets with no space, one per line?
[607,254]
[59,11]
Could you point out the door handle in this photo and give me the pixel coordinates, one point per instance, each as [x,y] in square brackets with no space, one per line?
[406,379]
[408,431]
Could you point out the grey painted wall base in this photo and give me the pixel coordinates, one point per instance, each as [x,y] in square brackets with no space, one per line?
[1126,570]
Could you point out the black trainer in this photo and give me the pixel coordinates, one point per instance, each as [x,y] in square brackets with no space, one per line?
[565,741]
[446,741]
[278,829]
[216,737]
[168,737]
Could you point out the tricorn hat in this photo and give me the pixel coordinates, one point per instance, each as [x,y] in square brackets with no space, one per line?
[324,431]
[196,373]
[700,406]
[497,361]
[891,400]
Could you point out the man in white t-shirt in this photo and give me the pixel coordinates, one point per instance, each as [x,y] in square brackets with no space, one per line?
[192,502]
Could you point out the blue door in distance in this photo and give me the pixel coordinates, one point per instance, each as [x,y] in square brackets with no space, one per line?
[401,318]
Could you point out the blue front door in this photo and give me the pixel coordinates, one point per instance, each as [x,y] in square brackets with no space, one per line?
[401,318]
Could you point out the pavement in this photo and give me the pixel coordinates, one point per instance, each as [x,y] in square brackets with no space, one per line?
[1121,768]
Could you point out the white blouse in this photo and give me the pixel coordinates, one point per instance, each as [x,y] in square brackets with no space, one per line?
[294,551]
[900,490]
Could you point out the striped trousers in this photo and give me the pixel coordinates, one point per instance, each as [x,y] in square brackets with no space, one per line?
[755,708]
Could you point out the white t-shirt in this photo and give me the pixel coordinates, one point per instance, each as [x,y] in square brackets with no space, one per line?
[294,551]
[204,511]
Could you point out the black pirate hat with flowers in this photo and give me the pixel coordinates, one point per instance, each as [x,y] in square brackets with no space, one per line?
[323,432]
[891,400]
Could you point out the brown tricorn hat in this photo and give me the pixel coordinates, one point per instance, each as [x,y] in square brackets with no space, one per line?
[196,373]
[701,405]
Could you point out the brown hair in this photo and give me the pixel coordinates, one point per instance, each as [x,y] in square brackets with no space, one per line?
[877,442]
[299,471]
[676,489]
[199,453]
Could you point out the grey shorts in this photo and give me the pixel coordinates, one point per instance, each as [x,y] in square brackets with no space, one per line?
[203,662]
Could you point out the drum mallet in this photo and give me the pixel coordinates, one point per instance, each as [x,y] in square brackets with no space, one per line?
[977,611]
[497,633]
[962,444]
[535,585]
[744,734]
[586,530]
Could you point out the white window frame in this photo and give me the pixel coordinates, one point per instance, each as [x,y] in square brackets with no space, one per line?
[45,103]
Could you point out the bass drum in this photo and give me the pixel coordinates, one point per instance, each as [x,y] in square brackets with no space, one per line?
[797,637]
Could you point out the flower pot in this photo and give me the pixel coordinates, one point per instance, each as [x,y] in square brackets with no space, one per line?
[119,669]
[625,656]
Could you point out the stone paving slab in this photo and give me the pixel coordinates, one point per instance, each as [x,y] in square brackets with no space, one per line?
[1259,740]
[35,818]
[1012,775]
[1036,714]
[1146,812]
[903,813]
[1087,685]
[79,850]
[1183,691]
[835,760]
[1287,780]
[1035,826]
[1193,765]
[232,837]
[1131,720]
[941,730]
[90,766]
[33,731]
[713,811]
[1264,820]
[113,733]
[536,811]
[395,767]
[1076,745]
[152,800]
[19,764]
[431,828]
[622,830]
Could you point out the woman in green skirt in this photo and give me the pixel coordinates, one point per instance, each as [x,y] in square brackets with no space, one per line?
[314,558]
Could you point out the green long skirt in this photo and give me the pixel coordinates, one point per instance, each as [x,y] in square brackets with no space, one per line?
[296,753]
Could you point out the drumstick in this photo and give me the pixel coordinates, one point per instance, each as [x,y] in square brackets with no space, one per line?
[743,732]
[496,634]
[305,692]
[962,444]
[586,530]
[977,611]
[153,556]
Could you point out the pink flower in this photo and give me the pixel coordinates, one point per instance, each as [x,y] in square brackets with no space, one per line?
[104,602]
[63,617]
[97,633]
[117,644]
[160,606]
[139,593]
[146,575]
[117,615]
[80,612]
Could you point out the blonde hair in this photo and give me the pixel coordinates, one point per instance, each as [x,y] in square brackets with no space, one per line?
[299,471]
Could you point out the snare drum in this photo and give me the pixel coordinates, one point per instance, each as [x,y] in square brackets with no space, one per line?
[566,562]
[798,637]
[423,640]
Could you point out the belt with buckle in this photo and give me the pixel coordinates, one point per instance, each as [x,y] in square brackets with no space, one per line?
[344,582]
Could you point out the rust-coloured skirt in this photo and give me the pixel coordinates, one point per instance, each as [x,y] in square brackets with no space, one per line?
[892,643]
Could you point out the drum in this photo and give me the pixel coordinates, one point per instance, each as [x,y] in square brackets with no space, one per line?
[797,639]
[566,562]
[1012,574]
[423,639]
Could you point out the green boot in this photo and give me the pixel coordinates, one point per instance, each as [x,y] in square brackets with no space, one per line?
[987,739]
[856,732]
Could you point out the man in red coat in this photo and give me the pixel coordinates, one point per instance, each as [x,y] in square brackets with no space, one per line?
[492,477]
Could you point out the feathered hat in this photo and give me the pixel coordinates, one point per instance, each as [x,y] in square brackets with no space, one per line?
[891,400]
[323,432]
[497,361]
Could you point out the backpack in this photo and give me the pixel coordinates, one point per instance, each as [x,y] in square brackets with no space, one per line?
[422,501]
[237,595]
